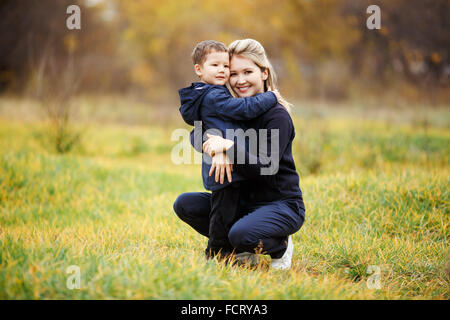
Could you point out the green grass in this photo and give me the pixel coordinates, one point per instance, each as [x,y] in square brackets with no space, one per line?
[376,193]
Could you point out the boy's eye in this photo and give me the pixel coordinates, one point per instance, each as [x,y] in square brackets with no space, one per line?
[226,66]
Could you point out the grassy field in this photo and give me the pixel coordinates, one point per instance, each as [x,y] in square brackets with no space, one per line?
[375,189]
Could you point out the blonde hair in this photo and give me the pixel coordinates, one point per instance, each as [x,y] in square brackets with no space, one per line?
[253,50]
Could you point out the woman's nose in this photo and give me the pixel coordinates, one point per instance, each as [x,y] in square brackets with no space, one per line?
[241,79]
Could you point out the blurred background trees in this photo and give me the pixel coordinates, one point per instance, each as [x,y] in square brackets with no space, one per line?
[320,49]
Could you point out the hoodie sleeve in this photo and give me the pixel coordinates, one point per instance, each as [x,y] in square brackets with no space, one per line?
[241,109]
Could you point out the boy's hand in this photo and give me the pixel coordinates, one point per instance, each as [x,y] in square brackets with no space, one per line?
[222,164]
[276,93]
[216,144]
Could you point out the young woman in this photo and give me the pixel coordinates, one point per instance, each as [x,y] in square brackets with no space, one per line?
[271,203]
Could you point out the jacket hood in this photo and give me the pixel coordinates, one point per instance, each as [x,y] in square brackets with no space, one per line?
[191,99]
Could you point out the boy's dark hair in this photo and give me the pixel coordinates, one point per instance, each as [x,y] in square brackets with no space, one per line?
[202,49]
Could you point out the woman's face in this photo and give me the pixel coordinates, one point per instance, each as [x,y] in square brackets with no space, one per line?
[246,78]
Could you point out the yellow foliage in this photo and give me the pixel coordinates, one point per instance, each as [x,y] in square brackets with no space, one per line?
[70,43]
[436,58]
[141,74]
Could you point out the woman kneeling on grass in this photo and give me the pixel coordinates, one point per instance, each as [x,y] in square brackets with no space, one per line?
[271,201]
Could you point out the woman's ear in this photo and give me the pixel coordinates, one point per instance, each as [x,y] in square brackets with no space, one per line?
[265,74]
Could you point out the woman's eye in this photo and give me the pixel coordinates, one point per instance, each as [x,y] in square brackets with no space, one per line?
[248,72]
[232,74]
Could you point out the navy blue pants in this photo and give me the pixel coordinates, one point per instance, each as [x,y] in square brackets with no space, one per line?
[225,210]
[263,227]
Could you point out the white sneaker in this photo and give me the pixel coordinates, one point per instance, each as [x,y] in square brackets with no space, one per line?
[247,258]
[285,262]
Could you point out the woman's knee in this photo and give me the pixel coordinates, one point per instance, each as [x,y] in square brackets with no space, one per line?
[179,205]
[192,205]
[239,237]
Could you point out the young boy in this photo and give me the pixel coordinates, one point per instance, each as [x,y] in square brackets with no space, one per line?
[210,101]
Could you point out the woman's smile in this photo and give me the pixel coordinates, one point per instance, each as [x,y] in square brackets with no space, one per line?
[243,89]
[246,78]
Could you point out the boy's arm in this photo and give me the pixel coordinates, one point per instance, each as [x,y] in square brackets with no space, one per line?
[241,109]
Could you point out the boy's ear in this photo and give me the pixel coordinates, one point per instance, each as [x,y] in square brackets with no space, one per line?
[197,69]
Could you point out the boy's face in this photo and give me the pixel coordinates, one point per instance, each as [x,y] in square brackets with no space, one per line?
[215,69]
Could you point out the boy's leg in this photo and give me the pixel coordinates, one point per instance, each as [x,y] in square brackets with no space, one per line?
[224,213]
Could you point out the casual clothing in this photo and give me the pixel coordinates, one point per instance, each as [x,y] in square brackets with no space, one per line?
[271,223]
[225,210]
[284,183]
[219,111]
[194,209]
[271,206]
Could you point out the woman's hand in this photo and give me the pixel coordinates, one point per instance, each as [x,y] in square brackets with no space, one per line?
[222,164]
[216,144]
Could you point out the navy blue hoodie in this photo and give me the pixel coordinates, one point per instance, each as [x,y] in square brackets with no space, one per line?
[219,110]
[283,184]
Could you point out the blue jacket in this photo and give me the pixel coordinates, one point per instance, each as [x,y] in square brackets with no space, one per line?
[219,110]
[283,183]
